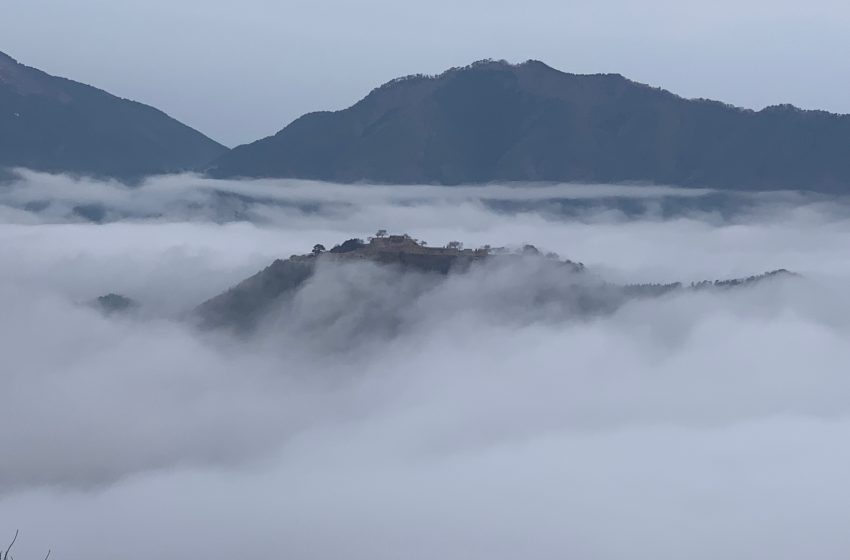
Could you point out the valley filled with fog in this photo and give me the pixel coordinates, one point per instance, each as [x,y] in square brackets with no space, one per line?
[380,416]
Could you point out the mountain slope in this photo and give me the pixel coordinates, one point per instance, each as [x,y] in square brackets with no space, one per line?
[493,121]
[54,124]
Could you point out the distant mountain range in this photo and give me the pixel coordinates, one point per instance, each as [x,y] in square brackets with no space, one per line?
[53,124]
[493,121]
[487,122]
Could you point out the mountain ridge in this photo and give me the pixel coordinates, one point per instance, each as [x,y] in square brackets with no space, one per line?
[55,124]
[610,75]
[494,121]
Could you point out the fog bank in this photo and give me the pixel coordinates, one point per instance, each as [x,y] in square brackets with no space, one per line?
[376,417]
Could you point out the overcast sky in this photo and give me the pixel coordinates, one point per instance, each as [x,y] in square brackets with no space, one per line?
[242,70]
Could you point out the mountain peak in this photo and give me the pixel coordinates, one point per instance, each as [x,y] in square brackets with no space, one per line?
[531,66]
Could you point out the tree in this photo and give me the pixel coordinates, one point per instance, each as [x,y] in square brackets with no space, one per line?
[530,250]
[348,246]
[9,549]
[318,249]
[381,233]
[456,245]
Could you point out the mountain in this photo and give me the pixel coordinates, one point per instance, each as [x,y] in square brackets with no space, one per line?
[54,124]
[398,264]
[244,304]
[493,121]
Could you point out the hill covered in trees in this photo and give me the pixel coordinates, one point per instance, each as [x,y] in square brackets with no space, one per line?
[58,125]
[493,121]
[395,271]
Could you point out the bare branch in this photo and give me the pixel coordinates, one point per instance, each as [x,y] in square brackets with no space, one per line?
[48,555]
[11,544]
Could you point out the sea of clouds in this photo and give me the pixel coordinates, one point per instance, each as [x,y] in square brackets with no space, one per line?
[706,424]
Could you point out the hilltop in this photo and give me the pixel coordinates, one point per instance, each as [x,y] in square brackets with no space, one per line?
[244,304]
[556,283]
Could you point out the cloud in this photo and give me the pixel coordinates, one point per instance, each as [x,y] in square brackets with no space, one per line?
[378,415]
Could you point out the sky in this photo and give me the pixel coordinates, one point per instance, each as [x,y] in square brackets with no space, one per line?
[239,71]
[488,422]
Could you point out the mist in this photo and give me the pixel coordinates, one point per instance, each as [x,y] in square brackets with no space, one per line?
[385,415]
